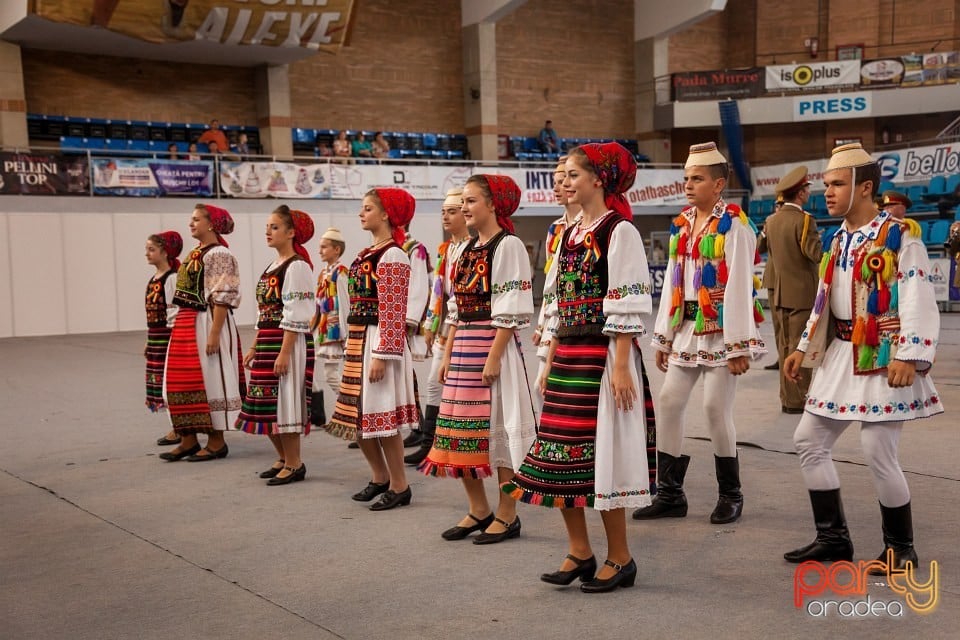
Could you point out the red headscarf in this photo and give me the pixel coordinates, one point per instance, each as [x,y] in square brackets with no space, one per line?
[220,221]
[506,198]
[173,244]
[302,232]
[399,206]
[617,170]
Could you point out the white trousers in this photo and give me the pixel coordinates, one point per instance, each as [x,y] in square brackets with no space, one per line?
[434,390]
[814,440]
[719,393]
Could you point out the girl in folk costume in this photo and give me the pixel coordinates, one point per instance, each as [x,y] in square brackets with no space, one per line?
[277,403]
[162,250]
[438,322]
[876,301]
[376,396]
[417,298]
[205,383]
[571,213]
[592,446]
[706,327]
[486,419]
[330,320]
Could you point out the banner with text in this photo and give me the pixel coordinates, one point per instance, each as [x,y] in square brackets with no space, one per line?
[43,173]
[150,177]
[916,164]
[712,85]
[814,74]
[320,25]
[274,180]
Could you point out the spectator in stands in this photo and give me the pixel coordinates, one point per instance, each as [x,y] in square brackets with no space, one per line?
[243,147]
[381,148]
[172,151]
[213,148]
[549,140]
[362,147]
[192,153]
[896,204]
[214,134]
[341,146]
[952,245]
[324,150]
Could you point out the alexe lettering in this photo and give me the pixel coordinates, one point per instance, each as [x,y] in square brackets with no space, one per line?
[812,579]
[833,105]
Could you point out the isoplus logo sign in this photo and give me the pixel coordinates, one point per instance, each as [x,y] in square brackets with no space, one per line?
[817,587]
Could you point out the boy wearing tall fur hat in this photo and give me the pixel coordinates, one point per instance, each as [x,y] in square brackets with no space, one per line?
[706,327]
[872,335]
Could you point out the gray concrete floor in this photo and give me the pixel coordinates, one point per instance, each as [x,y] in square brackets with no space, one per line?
[100,539]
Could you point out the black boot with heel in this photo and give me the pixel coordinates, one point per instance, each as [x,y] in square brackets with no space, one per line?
[898,536]
[833,538]
[670,502]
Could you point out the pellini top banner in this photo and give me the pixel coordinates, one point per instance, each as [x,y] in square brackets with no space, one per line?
[813,74]
[313,24]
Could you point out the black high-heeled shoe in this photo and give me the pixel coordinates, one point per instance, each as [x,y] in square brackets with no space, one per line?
[392,499]
[585,569]
[459,532]
[173,456]
[625,576]
[272,471]
[211,454]
[512,531]
[371,491]
[297,475]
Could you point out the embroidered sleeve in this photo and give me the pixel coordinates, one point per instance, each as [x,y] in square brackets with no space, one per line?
[739,327]
[435,310]
[169,288]
[919,316]
[549,311]
[299,299]
[628,296]
[343,298]
[221,277]
[511,300]
[662,331]
[419,291]
[393,280]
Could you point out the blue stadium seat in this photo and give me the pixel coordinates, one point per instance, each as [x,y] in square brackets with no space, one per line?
[138,145]
[937,186]
[444,141]
[915,192]
[455,154]
[937,233]
[523,156]
[429,141]
[885,185]
[531,144]
[407,153]
[438,154]
[113,144]
[395,153]
[953,182]
[74,142]
[754,209]
[818,204]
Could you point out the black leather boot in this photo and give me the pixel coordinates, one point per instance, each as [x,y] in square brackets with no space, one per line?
[833,538]
[897,535]
[730,503]
[318,414]
[426,443]
[670,501]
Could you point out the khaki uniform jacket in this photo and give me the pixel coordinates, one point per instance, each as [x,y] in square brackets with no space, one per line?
[792,241]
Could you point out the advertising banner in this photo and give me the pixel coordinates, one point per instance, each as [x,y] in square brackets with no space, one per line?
[912,165]
[351,181]
[886,72]
[832,107]
[150,177]
[710,85]
[274,180]
[318,25]
[43,173]
[814,74]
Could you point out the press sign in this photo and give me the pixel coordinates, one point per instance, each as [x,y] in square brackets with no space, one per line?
[832,107]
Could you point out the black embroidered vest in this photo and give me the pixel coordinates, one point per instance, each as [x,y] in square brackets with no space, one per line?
[362,285]
[270,295]
[189,292]
[156,300]
[583,278]
[471,285]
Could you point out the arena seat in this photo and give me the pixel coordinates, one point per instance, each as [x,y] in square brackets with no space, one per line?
[937,186]
[936,233]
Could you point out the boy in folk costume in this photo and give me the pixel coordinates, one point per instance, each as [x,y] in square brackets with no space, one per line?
[706,326]
[873,334]
[418,296]
[438,321]
[571,214]
[330,321]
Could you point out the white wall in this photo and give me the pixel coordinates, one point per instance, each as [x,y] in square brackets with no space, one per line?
[76,265]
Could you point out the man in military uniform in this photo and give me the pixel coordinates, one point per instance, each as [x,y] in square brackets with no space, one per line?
[791,240]
[896,204]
